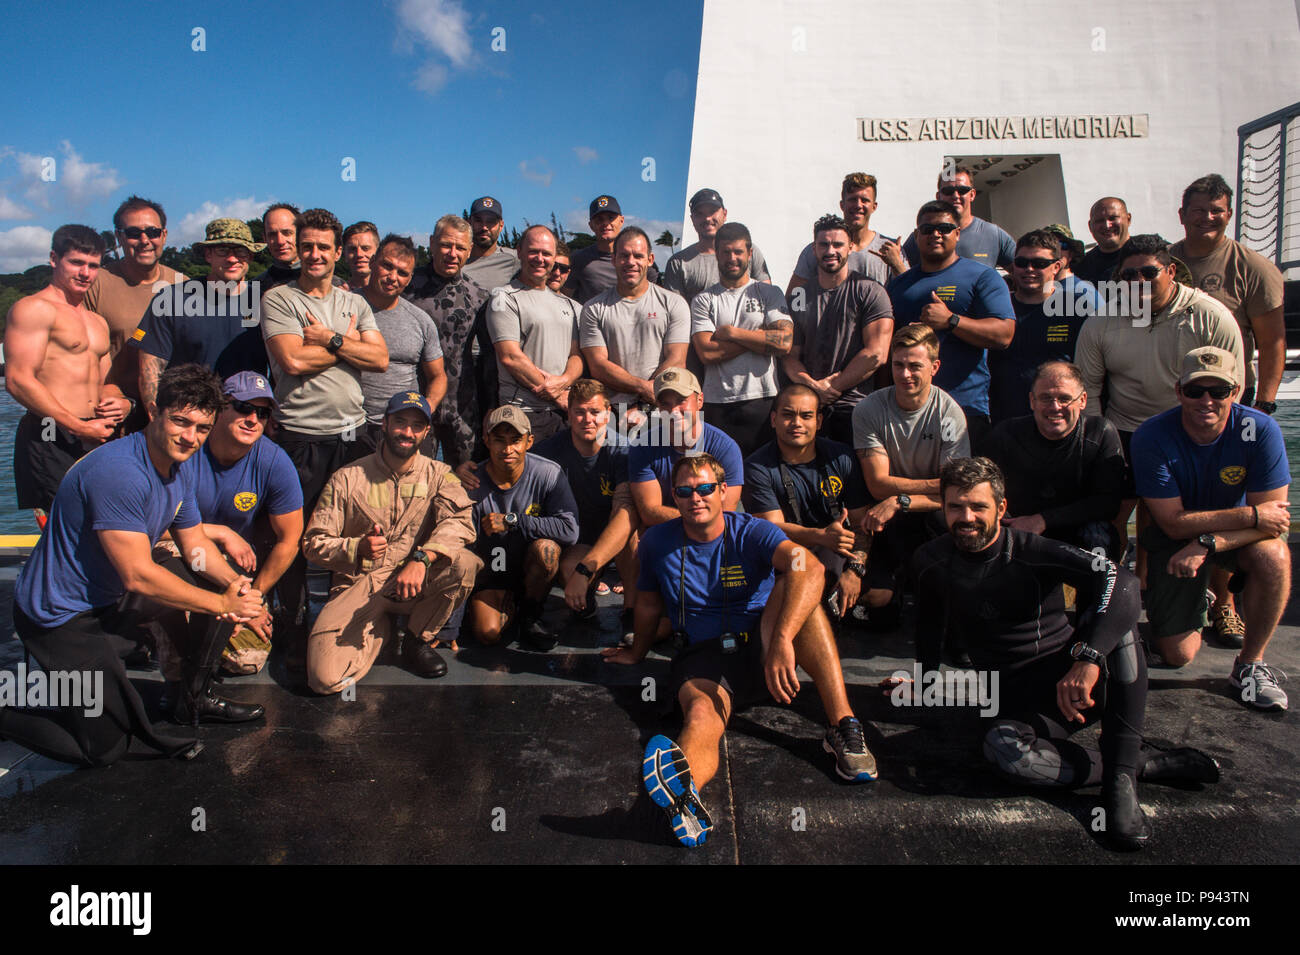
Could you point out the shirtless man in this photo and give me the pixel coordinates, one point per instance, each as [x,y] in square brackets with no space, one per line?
[57,357]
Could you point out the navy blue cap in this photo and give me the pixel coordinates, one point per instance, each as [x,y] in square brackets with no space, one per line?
[486,204]
[247,385]
[707,196]
[409,399]
[605,204]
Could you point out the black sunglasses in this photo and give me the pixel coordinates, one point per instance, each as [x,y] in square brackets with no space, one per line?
[244,408]
[929,228]
[134,232]
[1022,262]
[561,269]
[1148,272]
[684,491]
[1217,392]
[959,190]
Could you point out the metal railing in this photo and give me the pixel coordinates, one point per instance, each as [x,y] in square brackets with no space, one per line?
[1268,186]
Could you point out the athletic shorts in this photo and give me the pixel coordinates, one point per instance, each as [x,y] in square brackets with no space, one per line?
[39,465]
[1177,604]
[739,673]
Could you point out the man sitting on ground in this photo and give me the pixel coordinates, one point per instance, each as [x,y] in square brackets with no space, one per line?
[744,632]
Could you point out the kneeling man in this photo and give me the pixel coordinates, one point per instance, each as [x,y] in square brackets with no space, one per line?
[744,629]
[394,528]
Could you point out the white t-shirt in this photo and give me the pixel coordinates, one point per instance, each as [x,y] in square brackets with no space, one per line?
[753,306]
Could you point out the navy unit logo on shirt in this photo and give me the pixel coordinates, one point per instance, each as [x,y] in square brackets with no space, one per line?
[946,293]
[836,486]
[733,576]
[606,488]
[1232,475]
[245,500]
[533,510]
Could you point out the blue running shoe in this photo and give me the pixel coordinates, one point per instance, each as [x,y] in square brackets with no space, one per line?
[668,780]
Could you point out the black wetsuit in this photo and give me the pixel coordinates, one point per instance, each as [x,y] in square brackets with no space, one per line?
[1076,483]
[1008,604]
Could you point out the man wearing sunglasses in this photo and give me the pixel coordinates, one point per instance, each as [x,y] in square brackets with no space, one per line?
[1214,475]
[980,240]
[250,502]
[124,288]
[560,268]
[742,628]
[214,323]
[1040,336]
[966,304]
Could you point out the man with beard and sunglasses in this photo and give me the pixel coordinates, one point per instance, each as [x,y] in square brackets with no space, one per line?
[1001,589]
[1214,475]
[394,527]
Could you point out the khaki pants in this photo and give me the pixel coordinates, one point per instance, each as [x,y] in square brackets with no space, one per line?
[350,631]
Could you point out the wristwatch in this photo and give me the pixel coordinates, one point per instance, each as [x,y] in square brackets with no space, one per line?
[1268,407]
[1081,651]
[859,568]
[1206,541]
[904,502]
[584,570]
[952,322]
[422,557]
[512,519]
[334,344]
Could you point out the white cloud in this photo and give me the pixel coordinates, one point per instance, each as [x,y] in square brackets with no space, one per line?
[81,182]
[193,226]
[12,210]
[24,246]
[539,171]
[440,27]
[585,154]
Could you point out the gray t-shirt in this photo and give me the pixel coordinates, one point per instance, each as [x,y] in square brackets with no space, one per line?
[754,305]
[412,338]
[690,271]
[495,269]
[325,402]
[982,241]
[829,326]
[634,331]
[861,261]
[544,323]
[918,442]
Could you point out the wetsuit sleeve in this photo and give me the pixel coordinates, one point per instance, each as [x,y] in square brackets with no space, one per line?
[1107,597]
[1104,465]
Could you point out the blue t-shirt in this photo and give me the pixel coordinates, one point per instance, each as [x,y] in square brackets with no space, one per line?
[1250,456]
[969,289]
[264,478]
[833,475]
[981,242]
[113,488]
[655,462]
[720,594]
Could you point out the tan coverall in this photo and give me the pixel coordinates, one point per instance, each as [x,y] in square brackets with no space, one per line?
[426,506]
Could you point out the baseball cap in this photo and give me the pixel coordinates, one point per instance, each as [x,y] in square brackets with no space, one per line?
[409,399]
[709,196]
[511,415]
[679,380]
[247,385]
[605,204]
[1209,362]
[486,204]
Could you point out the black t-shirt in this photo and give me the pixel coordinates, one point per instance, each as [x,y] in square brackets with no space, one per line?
[1078,479]
[223,335]
[592,480]
[1038,338]
[833,475]
[1097,265]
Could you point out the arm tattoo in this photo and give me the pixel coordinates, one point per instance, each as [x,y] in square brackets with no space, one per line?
[151,369]
[777,340]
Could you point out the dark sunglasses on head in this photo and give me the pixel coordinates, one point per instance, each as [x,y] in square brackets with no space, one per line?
[134,232]
[244,408]
[684,491]
[1023,262]
[1148,272]
[561,269]
[959,190]
[929,228]
[1217,392]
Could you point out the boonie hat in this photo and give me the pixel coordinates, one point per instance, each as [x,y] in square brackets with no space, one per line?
[231,232]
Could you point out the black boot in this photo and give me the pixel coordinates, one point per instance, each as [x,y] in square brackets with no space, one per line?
[421,658]
[1183,764]
[1127,826]
[199,704]
[532,634]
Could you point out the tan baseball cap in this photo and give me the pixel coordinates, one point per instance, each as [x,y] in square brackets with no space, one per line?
[508,414]
[1209,362]
[679,380]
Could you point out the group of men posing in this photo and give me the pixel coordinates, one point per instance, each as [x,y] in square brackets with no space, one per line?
[628,416]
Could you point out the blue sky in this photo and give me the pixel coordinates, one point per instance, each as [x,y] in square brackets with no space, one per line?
[411,90]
